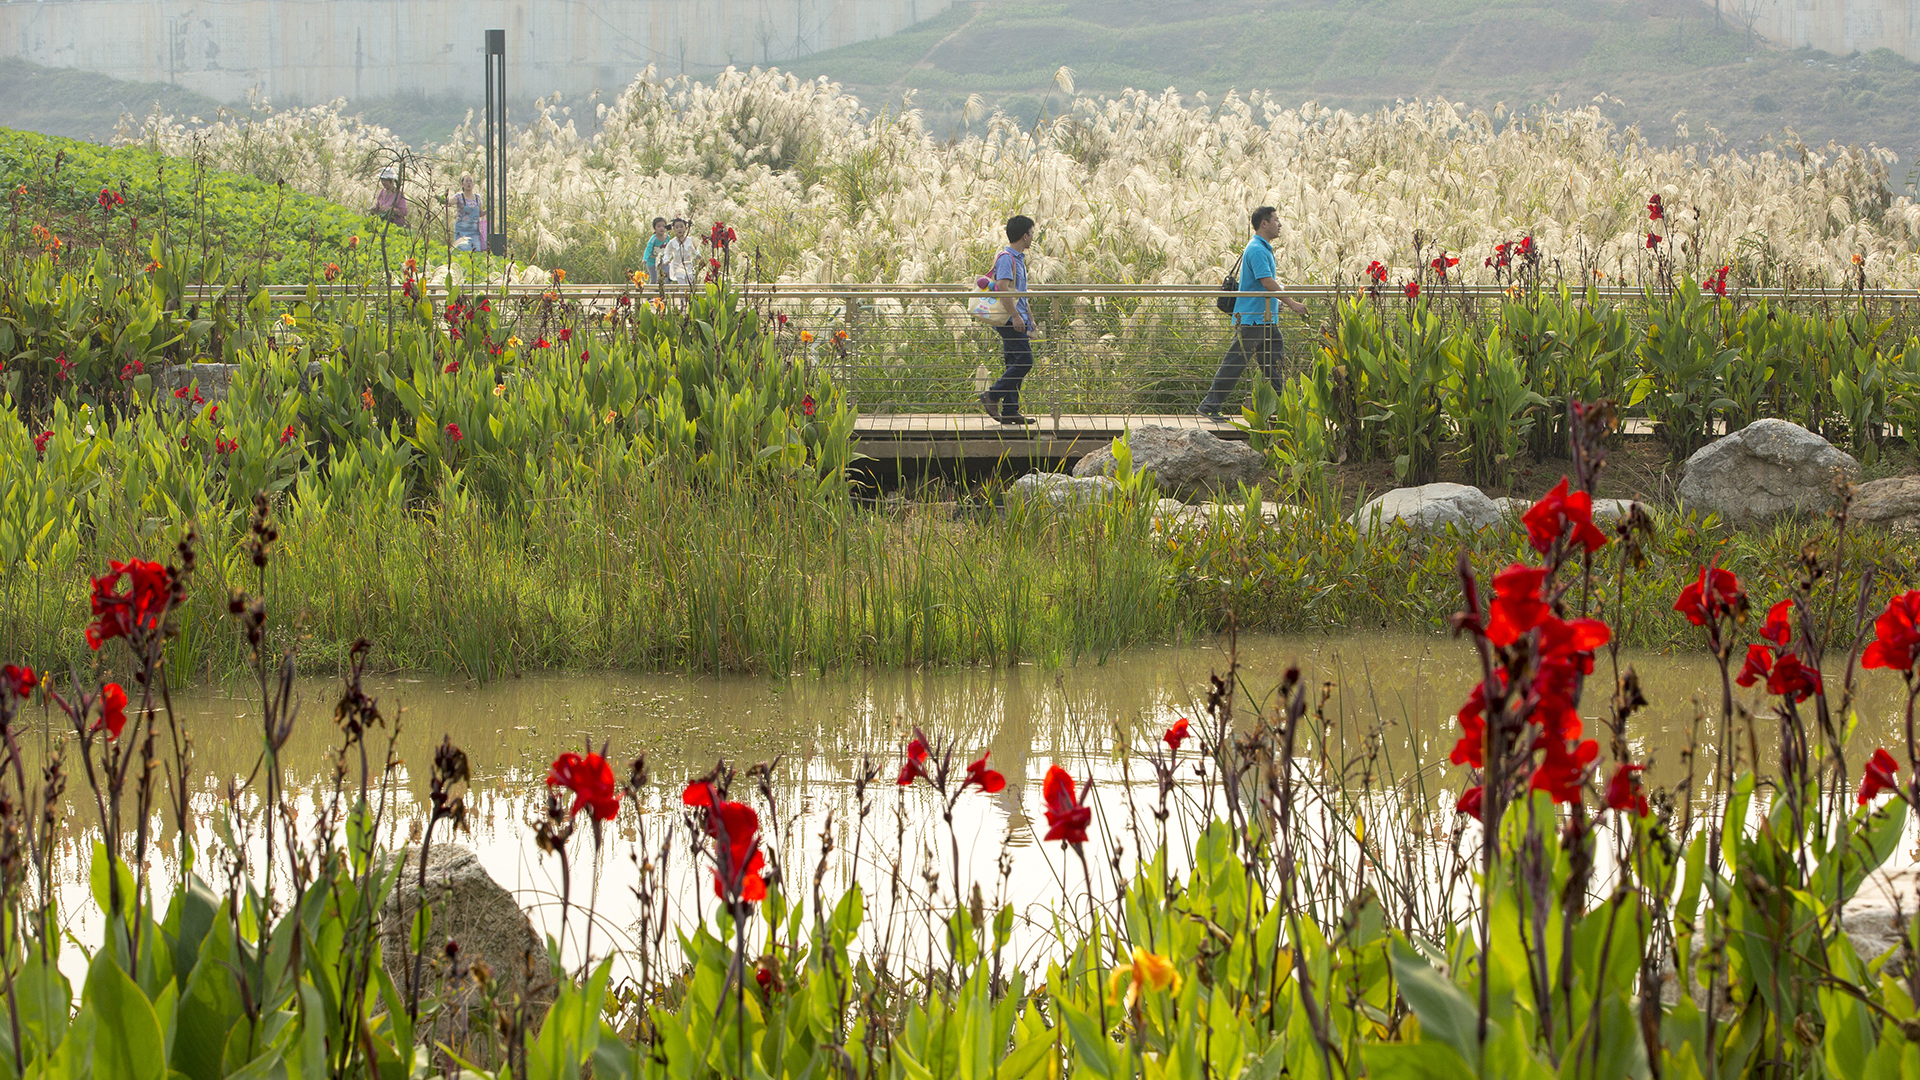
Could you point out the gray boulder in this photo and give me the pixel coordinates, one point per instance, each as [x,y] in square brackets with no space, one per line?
[1768,468]
[476,913]
[1892,503]
[1430,507]
[1059,489]
[213,380]
[1608,511]
[1888,897]
[1185,462]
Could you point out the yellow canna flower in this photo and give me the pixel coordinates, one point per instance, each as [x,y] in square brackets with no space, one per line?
[286,318]
[513,343]
[638,277]
[499,389]
[612,416]
[1149,970]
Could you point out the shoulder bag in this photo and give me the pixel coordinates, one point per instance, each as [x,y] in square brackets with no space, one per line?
[1228,286]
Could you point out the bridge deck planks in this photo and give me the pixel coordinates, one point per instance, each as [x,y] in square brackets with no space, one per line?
[971,435]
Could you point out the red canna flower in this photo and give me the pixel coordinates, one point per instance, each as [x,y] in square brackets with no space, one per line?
[1067,816]
[1471,749]
[1653,240]
[287,435]
[1878,776]
[916,766]
[1792,679]
[566,334]
[18,680]
[40,442]
[224,447]
[181,393]
[1526,245]
[1412,290]
[807,406]
[453,366]
[113,711]
[542,343]
[1517,607]
[590,779]
[980,776]
[1377,271]
[1565,766]
[1176,735]
[1470,802]
[1558,512]
[141,608]
[454,433]
[133,370]
[1896,643]
[1716,594]
[1655,209]
[1758,666]
[1623,791]
[700,793]
[737,879]
[1779,625]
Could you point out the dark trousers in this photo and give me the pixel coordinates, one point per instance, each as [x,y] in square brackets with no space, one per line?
[1019,356]
[1259,341]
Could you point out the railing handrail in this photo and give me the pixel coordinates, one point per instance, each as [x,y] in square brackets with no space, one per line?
[948,291]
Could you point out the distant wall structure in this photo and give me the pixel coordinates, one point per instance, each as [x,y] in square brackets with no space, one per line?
[1840,27]
[311,51]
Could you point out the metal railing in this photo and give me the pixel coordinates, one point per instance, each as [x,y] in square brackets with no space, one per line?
[914,350]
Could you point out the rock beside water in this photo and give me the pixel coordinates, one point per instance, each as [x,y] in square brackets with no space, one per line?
[1060,489]
[1429,508]
[1893,503]
[1186,463]
[1764,470]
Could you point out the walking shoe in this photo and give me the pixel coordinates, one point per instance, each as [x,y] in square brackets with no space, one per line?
[1014,416]
[1209,412]
[992,406]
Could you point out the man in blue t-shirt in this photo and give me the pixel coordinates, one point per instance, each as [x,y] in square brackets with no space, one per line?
[1255,332]
[1002,399]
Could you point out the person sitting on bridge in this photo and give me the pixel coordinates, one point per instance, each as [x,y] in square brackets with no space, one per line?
[1002,399]
[1254,317]
[654,257]
[680,255]
[391,203]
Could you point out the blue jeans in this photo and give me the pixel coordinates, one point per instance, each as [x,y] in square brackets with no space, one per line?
[1018,352]
[1261,341]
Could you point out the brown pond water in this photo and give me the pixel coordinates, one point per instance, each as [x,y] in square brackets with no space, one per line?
[818,729]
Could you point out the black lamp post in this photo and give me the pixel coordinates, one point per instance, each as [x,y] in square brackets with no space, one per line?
[496,136]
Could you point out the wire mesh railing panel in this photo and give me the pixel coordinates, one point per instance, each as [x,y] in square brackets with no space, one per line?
[1094,353]
[1102,352]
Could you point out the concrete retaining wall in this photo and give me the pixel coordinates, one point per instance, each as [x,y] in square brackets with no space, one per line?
[311,51]
[1839,27]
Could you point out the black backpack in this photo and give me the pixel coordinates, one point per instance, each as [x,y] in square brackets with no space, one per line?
[1230,284]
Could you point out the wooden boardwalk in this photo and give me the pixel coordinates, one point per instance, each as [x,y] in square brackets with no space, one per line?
[971,436]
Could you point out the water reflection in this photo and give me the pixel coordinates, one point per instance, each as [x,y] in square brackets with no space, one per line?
[1388,709]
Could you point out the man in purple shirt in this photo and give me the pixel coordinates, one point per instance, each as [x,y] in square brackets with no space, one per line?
[1002,399]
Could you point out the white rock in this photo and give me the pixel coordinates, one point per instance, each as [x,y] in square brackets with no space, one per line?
[1430,507]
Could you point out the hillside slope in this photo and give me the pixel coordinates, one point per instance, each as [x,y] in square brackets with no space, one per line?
[1655,58]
